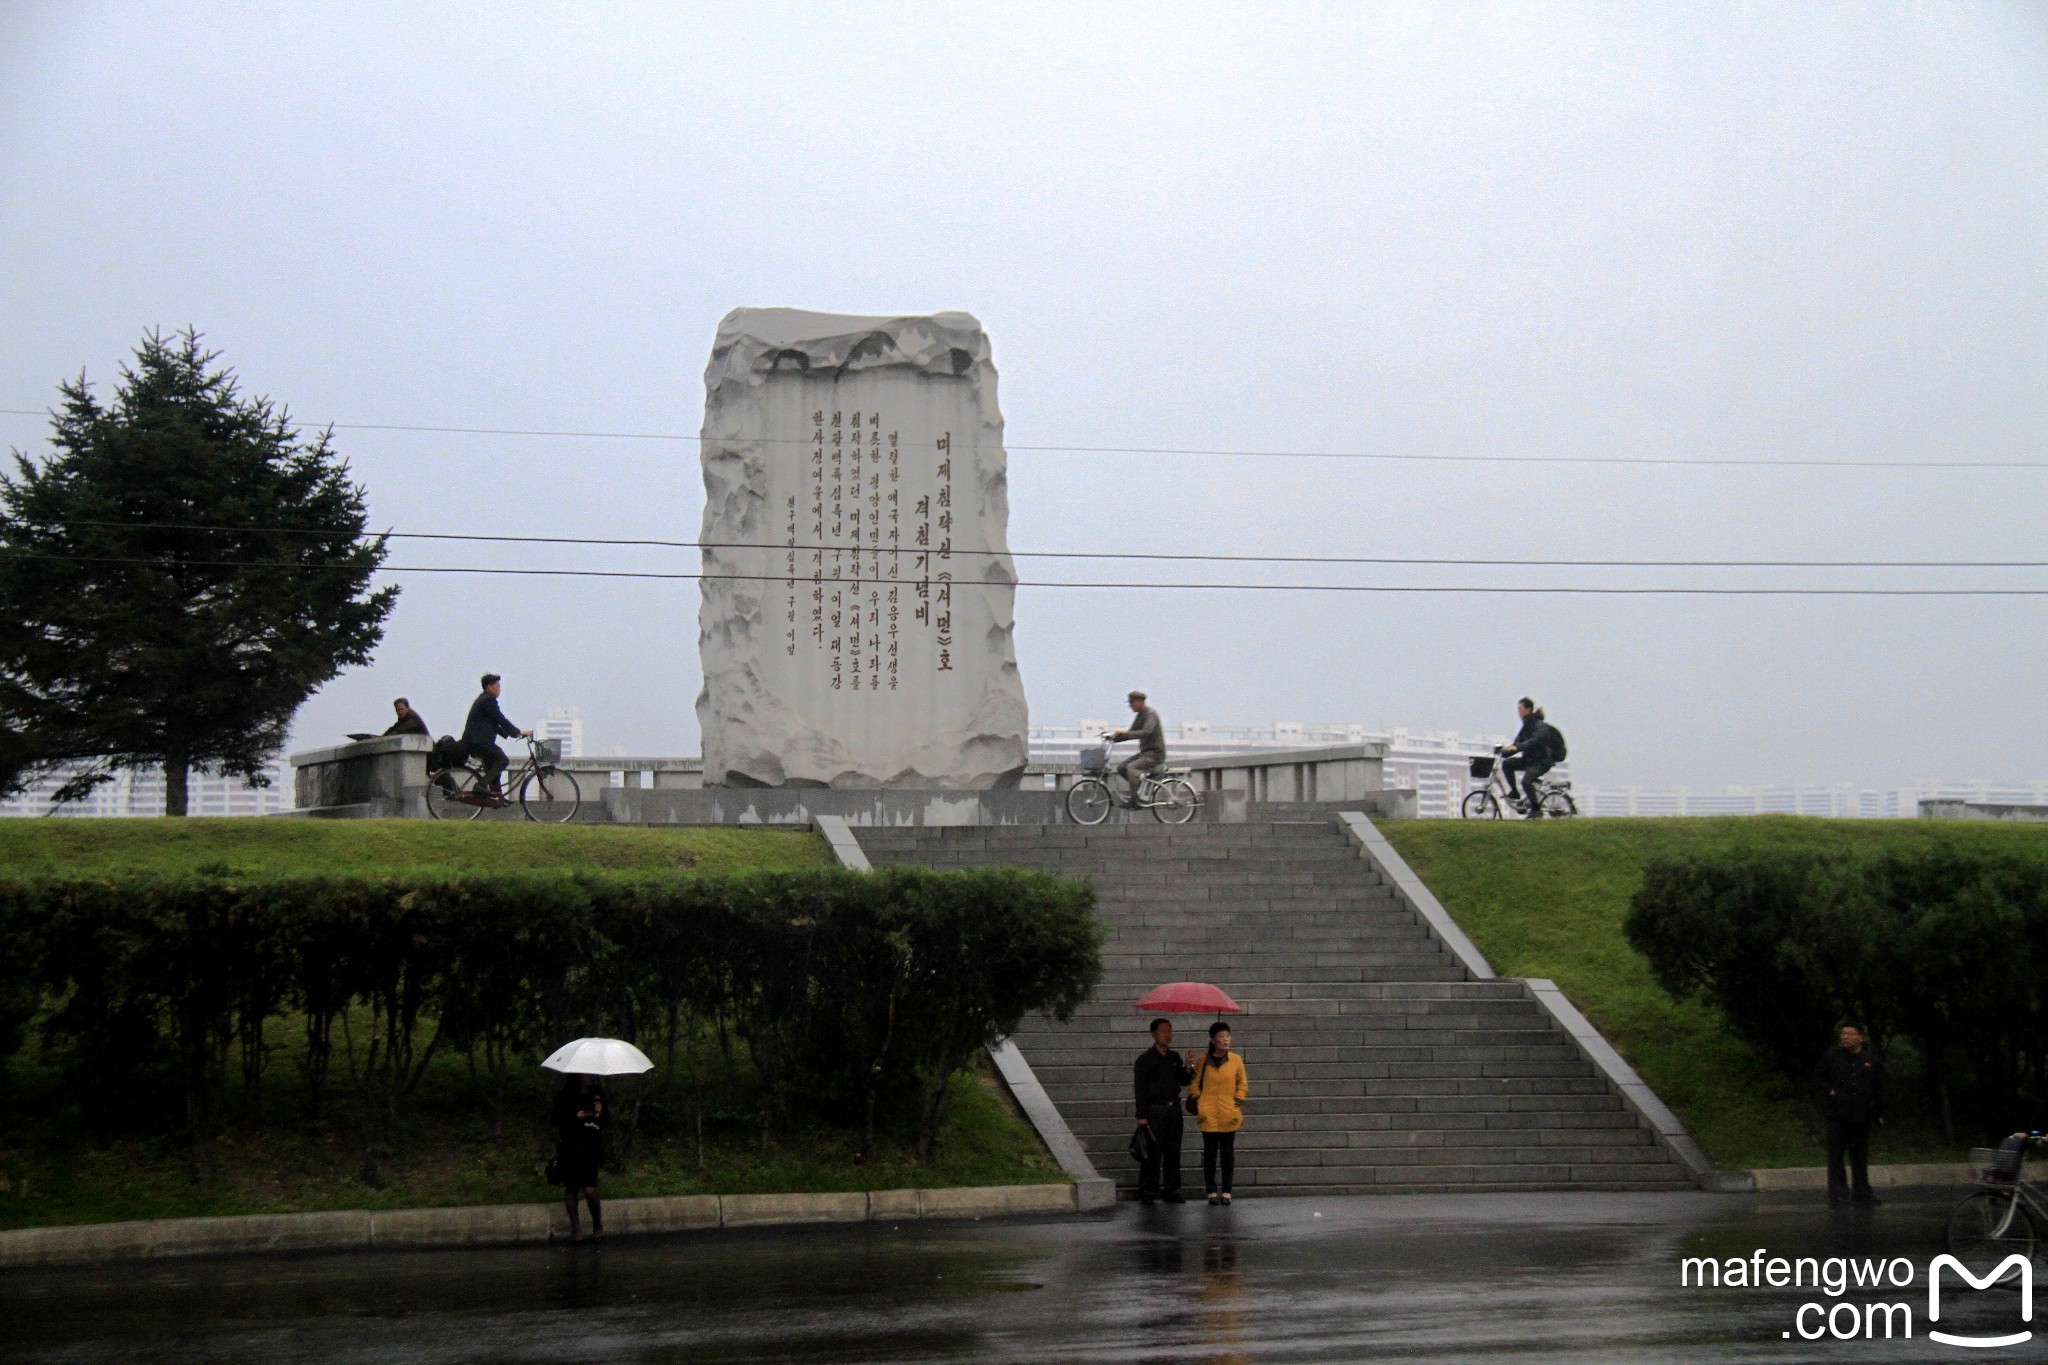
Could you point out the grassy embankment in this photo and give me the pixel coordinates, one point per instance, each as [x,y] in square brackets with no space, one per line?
[274,1158]
[1547,899]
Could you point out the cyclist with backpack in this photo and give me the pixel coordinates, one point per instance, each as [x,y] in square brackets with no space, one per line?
[1538,747]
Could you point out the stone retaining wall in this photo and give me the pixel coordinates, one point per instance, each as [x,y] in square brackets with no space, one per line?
[507,1224]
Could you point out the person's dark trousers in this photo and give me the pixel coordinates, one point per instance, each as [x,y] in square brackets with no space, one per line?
[494,760]
[1530,770]
[1846,1138]
[1161,1175]
[1218,1147]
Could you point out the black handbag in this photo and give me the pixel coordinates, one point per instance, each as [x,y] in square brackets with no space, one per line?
[1143,1145]
[554,1171]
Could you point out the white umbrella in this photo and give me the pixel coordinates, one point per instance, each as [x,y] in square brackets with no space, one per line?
[598,1057]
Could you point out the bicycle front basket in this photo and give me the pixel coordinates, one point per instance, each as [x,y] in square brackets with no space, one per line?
[1482,767]
[1094,758]
[1997,1165]
[548,751]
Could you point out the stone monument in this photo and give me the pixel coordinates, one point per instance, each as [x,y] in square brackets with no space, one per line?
[858,590]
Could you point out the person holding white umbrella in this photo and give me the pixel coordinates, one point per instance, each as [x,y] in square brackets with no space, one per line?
[581,1120]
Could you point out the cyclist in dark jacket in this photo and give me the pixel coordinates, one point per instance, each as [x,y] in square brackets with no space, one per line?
[1533,754]
[485,724]
[1849,1085]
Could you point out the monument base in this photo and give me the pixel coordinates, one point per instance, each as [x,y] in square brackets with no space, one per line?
[867,809]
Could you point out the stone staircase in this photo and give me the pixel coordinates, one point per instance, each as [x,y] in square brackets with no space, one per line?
[1376,1063]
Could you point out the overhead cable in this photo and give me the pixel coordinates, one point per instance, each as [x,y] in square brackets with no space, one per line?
[1647,461]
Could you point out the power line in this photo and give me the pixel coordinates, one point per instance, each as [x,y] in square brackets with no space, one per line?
[802,581]
[1666,461]
[1379,560]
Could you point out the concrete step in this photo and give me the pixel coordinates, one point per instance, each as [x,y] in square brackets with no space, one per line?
[1374,1064]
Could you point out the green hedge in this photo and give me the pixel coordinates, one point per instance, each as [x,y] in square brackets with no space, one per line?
[1942,946]
[854,996]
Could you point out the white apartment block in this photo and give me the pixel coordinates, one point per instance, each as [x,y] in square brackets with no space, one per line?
[134,794]
[1843,800]
[563,723]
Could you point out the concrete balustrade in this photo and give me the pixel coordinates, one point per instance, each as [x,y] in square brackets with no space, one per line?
[387,777]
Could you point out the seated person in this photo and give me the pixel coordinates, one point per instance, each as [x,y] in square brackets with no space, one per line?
[409,721]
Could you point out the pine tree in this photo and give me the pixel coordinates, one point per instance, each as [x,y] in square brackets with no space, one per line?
[176,578]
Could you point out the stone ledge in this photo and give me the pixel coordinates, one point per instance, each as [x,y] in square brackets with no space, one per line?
[1816,1177]
[511,1224]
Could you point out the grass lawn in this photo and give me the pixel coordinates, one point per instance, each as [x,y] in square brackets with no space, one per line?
[1547,899]
[73,848]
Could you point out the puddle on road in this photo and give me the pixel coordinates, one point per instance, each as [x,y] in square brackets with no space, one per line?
[1580,1277]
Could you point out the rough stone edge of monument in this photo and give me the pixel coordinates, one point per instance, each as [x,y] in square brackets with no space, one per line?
[506,1224]
[1092,1190]
[1373,846]
[1634,1091]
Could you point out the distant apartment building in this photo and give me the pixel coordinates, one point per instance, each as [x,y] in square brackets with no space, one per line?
[1842,800]
[563,723]
[142,794]
[1435,763]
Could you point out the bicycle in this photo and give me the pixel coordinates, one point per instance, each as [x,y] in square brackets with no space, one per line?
[1491,800]
[2006,1216]
[538,782]
[1168,794]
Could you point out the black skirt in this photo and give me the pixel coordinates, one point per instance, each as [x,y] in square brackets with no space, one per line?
[578,1168]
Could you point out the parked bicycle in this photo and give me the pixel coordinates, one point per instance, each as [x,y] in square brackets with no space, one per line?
[544,791]
[1491,801]
[2008,1214]
[1168,794]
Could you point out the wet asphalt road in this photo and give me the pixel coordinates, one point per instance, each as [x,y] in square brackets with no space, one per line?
[1565,1277]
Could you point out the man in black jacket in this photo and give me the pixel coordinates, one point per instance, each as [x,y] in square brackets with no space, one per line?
[1532,754]
[1158,1075]
[1849,1084]
[485,724]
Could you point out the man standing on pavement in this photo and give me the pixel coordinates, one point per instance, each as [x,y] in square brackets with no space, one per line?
[1159,1075]
[1150,733]
[1849,1083]
[485,724]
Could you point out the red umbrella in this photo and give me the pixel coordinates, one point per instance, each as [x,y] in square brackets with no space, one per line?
[1188,997]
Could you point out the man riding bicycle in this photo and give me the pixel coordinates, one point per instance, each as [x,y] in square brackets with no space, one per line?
[1151,736]
[1533,754]
[481,731]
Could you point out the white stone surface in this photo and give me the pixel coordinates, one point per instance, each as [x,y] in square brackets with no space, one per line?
[801,410]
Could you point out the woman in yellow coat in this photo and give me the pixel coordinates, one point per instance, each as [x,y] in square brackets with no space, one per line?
[1216,1093]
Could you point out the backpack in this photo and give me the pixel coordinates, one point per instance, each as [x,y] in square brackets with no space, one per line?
[449,752]
[1557,749]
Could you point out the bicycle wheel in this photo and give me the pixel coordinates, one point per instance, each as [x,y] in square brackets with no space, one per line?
[1174,801]
[1088,801]
[1559,805]
[551,795]
[1480,805]
[445,793]
[1986,1228]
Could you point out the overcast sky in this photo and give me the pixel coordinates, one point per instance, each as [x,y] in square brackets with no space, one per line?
[1782,232]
